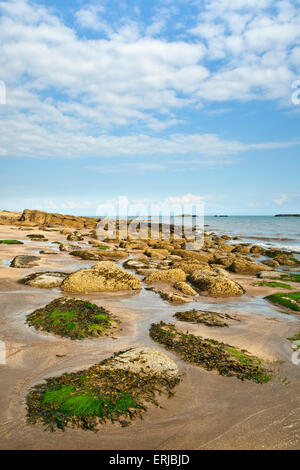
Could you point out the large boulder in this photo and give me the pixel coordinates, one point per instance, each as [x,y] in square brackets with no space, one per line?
[243,266]
[105,276]
[166,275]
[215,284]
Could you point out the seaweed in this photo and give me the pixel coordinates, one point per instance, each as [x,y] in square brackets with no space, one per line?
[72,318]
[280,285]
[210,354]
[11,242]
[89,398]
[291,301]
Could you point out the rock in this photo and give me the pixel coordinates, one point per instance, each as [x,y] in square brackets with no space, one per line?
[270,275]
[170,297]
[195,255]
[143,360]
[188,267]
[99,255]
[68,247]
[74,237]
[257,249]
[224,260]
[271,262]
[44,218]
[9,217]
[138,245]
[227,248]
[154,253]
[185,288]
[105,276]
[87,254]
[114,254]
[241,249]
[167,275]
[215,284]
[286,260]
[134,264]
[46,280]
[24,261]
[247,267]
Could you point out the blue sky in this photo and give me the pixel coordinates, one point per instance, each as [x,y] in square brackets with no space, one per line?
[150,100]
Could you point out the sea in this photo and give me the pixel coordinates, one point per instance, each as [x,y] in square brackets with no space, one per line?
[267,231]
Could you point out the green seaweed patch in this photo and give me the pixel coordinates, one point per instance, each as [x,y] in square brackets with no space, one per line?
[103,247]
[11,242]
[212,319]
[210,354]
[295,338]
[290,277]
[89,398]
[280,285]
[291,301]
[56,243]
[72,318]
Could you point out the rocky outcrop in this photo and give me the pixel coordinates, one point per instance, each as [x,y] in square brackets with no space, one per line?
[36,217]
[166,275]
[105,276]
[9,218]
[216,285]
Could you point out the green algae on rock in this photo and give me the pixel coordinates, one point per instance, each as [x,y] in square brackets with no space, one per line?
[291,300]
[210,354]
[72,318]
[11,242]
[117,389]
[207,318]
[280,285]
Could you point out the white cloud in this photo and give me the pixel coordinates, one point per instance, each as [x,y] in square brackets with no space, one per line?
[66,92]
[283,198]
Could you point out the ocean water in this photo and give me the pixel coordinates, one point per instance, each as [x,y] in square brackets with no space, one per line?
[268,231]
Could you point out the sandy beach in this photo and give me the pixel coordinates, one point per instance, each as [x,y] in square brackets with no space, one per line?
[208,411]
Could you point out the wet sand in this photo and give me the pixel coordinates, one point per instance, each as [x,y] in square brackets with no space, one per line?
[208,411]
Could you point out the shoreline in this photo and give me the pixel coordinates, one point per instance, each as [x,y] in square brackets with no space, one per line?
[208,411]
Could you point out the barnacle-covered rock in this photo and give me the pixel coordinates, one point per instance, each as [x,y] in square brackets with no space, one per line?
[104,276]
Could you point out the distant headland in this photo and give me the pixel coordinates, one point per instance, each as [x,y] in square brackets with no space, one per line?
[287,215]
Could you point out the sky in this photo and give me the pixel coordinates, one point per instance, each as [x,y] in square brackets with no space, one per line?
[186,100]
